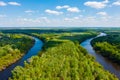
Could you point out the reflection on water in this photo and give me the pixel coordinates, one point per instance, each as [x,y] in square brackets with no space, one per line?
[107,64]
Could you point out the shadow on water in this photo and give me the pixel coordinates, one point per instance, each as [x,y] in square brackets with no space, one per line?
[5,74]
[107,64]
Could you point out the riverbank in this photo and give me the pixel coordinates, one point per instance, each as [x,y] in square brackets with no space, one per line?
[62,59]
[108,65]
[6,73]
[108,46]
[13,47]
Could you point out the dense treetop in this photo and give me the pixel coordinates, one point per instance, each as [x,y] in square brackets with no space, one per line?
[108,46]
[62,59]
[13,47]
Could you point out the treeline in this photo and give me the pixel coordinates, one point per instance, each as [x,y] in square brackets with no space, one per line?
[46,30]
[108,50]
[108,46]
[13,47]
[61,60]
[73,36]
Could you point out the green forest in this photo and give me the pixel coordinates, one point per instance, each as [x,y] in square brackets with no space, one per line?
[59,39]
[13,47]
[62,58]
[108,46]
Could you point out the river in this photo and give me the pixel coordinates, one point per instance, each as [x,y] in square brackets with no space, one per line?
[107,64]
[5,74]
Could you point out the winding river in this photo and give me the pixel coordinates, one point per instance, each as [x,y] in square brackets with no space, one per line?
[108,65]
[5,74]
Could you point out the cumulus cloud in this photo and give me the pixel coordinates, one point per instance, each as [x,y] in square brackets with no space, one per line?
[10,3]
[62,7]
[53,12]
[14,3]
[68,8]
[73,9]
[102,13]
[97,5]
[2,3]
[117,3]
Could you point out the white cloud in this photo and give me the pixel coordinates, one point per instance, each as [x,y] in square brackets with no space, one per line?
[62,7]
[97,5]
[105,18]
[67,19]
[28,20]
[2,3]
[102,13]
[76,18]
[39,21]
[68,8]
[45,19]
[71,19]
[117,3]
[106,1]
[29,11]
[2,15]
[53,12]
[84,21]
[14,3]
[94,4]
[36,20]
[73,9]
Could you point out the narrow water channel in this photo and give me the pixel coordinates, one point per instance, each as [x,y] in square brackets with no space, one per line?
[107,64]
[5,74]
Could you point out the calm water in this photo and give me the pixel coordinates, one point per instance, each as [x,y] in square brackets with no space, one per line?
[113,68]
[33,51]
[108,65]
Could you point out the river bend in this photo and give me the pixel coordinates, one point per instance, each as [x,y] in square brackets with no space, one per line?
[5,74]
[107,64]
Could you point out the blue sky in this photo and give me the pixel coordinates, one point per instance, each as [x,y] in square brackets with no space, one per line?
[58,13]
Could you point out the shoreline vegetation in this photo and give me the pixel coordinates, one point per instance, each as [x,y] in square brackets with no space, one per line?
[108,46]
[13,47]
[62,58]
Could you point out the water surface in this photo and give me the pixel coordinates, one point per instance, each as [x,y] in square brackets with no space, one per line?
[107,64]
[5,74]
